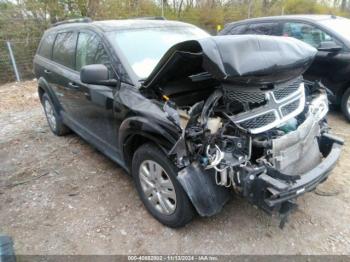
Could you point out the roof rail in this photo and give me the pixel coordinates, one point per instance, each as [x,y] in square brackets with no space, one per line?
[70,21]
[150,18]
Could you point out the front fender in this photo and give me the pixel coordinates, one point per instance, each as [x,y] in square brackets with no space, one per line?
[147,128]
[151,129]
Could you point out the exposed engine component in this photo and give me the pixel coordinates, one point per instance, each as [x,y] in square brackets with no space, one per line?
[251,130]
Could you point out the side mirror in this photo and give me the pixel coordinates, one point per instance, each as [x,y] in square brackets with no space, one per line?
[96,75]
[329,46]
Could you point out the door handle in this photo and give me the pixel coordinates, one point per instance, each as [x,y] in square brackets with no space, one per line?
[47,71]
[73,85]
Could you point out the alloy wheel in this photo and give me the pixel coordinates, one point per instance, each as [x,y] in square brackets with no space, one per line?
[157,187]
[50,115]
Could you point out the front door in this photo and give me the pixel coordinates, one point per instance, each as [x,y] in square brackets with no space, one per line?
[91,106]
[327,65]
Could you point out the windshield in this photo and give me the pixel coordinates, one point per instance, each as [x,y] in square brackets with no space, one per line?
[339,25]
[143,48]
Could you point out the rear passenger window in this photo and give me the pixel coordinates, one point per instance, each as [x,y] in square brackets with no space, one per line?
[238,30]
[46,46]
[90,51]
[64,49]
[262,29]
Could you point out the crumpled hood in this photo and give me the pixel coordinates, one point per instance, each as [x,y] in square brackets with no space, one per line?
[244,59]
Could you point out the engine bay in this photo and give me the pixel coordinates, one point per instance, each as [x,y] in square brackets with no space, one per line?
[233,129]
[270,133]
[254,126]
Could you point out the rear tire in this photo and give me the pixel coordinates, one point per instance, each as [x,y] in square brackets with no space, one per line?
[55,122]
[345,104]
[163,196]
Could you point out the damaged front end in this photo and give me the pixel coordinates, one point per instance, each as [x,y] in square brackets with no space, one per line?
[248,120]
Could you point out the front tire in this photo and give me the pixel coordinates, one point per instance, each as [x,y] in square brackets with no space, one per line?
[163,196]
[345,104]
[55,123]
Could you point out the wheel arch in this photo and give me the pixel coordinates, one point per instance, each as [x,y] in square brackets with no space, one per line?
[136,131]
[44,87]
[41,92]
[340,92]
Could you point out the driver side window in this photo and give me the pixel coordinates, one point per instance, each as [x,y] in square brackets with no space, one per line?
[306,33]
[90,50]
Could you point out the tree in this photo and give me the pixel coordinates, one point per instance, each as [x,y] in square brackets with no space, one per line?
[24,21]
[343,5]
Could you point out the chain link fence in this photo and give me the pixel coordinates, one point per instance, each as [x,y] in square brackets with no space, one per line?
[23,52]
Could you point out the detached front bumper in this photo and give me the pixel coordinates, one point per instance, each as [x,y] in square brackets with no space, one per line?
[277,191]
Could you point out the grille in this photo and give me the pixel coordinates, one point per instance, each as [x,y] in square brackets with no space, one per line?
[284,91]
[259,121]
[278,108]
[244,97]
[287,109]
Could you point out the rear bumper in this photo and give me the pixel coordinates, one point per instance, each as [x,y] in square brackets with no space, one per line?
[281,191]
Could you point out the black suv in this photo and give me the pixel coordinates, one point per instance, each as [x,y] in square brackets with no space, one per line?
[329,34]
[191,117]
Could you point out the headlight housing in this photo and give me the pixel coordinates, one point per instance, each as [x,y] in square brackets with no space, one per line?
[319,106]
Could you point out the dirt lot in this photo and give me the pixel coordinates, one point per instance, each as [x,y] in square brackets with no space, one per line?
[58,195]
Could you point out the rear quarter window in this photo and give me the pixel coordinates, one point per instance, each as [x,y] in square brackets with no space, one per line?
[238,30]
[64,49]
[262,28]
[45,49]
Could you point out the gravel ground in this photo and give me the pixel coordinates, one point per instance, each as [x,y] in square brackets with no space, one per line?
[58,195]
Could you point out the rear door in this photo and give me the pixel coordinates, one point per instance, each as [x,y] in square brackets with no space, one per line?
[42,60]
[62,72]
